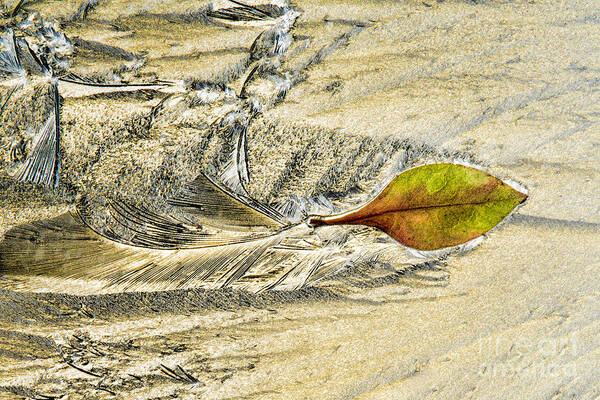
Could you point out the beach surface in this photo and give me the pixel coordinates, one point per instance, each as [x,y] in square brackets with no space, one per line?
[511,86]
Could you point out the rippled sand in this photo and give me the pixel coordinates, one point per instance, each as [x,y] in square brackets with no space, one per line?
[510,86]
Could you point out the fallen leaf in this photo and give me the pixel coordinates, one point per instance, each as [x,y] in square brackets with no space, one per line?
[435,206]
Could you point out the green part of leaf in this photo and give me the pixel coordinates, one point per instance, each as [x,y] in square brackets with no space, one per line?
[435,206]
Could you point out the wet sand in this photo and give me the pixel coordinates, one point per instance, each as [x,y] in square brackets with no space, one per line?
[512,86]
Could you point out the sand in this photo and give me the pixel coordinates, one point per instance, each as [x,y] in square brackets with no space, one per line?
[511,86]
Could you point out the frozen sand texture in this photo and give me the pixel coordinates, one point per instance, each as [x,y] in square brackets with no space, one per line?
[513,85]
